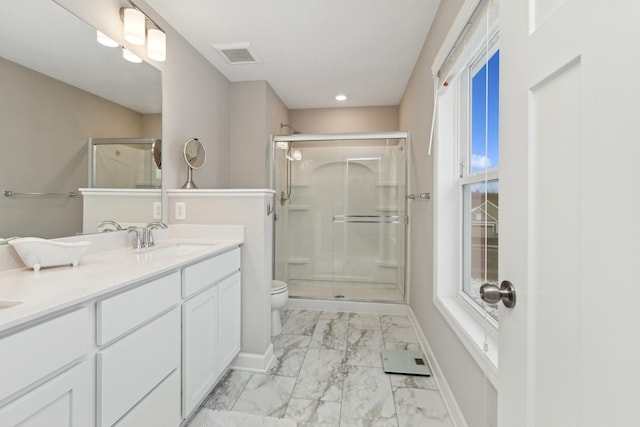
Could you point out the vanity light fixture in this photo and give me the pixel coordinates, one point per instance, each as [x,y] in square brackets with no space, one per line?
[136,32]
[157,45]
[341,97]
[104,40]
[130,56]
[134,26]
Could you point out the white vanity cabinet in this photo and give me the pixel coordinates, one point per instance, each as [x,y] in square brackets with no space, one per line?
[141,332]
[144,352]
[45,379]
[211,324]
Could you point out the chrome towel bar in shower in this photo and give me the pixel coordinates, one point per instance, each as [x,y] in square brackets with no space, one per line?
[10,193]
[367,219]
[421,196]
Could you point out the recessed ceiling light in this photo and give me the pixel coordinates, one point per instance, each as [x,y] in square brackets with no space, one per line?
[341,97]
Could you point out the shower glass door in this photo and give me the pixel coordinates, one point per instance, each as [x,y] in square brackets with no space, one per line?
[340,228]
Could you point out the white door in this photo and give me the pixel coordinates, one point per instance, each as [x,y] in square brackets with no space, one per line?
[570,215]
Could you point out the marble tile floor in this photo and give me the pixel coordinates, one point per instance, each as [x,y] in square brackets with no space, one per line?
[328,372]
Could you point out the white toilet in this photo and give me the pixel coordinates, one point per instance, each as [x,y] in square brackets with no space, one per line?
[279,297]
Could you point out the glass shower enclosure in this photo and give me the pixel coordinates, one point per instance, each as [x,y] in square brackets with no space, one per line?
[340,223]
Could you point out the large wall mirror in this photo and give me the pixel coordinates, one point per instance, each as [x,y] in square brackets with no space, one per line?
[59,90]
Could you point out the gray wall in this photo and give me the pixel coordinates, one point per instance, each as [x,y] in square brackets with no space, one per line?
[256,113]
[344,120]
[465,378]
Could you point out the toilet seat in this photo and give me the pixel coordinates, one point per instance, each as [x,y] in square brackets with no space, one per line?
[278,287]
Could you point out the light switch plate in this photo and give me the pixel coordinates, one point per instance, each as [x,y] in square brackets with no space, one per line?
[157,210]
[181,210]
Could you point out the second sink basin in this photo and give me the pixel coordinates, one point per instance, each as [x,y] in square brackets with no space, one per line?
[177,249]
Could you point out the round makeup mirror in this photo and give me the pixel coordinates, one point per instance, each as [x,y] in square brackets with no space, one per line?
[156,149]
[195,156]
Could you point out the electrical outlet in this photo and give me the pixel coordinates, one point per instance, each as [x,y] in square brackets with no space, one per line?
[181,210]
[157,210]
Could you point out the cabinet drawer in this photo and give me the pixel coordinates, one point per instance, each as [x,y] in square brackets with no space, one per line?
[118,314]
[34,353]
[202,274]
[130,368]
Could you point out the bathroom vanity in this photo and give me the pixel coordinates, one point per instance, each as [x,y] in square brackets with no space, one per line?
[128,338]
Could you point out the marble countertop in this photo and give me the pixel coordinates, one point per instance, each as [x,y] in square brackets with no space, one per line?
[98,274]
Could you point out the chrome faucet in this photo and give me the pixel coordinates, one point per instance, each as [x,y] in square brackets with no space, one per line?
[147,236]
[116,226]
[137,241]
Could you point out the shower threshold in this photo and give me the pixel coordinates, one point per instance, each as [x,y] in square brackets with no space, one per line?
[345,291]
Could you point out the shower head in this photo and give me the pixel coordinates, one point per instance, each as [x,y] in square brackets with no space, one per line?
[293,131]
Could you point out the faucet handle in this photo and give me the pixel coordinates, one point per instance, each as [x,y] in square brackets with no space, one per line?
[157,224]
[137,242]
[114,224]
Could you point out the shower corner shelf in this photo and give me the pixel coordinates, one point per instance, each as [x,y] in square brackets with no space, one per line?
[298,260]
[299,207]
[387,208]
[386,263]
[387,184]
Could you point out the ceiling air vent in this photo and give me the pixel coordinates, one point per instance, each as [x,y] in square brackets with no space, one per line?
[237,53]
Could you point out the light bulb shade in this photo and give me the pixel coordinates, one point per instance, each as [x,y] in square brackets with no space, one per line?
[134,26]
[157,45]
[129,56]
[104,40]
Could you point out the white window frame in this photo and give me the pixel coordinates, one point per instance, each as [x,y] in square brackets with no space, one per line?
[472,66]
[465,317]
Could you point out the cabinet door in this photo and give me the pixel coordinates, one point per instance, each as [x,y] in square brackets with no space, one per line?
[199,347]
[229,339]
[62,401]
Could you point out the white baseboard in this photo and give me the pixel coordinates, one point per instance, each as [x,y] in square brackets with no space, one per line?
[447,395]
[254,362]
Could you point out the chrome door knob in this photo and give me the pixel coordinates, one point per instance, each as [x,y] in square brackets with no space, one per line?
[492,294]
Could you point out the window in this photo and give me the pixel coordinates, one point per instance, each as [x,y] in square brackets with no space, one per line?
[478,177]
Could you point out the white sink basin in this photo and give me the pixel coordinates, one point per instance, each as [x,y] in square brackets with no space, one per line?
[178,249]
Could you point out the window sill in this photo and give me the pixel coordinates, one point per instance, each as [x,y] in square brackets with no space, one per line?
[472,335]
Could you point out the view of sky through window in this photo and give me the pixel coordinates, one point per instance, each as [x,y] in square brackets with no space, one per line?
[484,127]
